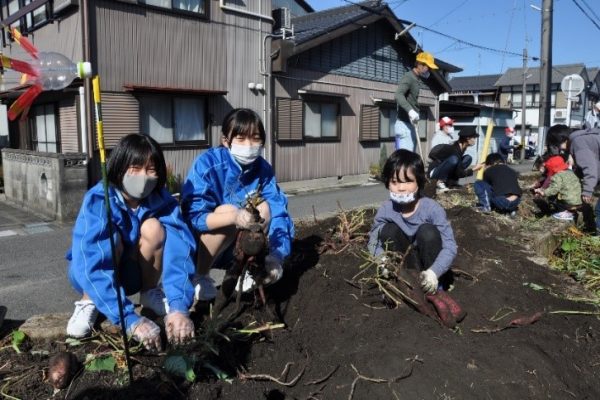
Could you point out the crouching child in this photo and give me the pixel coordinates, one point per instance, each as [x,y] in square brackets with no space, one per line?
[564,190]
[153,245]
[499,190]
[408,218]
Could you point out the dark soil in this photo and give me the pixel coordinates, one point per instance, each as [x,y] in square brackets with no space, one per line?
[335,330]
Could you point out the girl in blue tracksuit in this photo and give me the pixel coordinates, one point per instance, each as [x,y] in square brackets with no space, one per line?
[215,192]
[152,242]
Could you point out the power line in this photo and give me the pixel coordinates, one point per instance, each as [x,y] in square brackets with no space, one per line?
[590,9]
[586,14]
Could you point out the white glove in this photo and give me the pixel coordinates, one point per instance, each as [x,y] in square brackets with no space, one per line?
[273,268]
[147,333]
[179,327]
[429,281]
[414,116]
[383,270]
[243,219]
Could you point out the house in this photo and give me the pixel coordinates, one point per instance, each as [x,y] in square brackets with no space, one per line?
[510,86]
[478,89]
[333,91]
[171,70]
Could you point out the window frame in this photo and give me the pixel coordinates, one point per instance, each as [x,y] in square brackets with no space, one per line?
[391,108]
[171,97]
[205,15]
[32,128]
[315,99]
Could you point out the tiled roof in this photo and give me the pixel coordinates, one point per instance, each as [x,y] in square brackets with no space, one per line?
[315,24]
[474,83]
[514,76]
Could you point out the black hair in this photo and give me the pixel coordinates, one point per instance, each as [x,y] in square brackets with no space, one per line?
[136,150]
[404,160]
[493,159]
[557,135]
[242,122]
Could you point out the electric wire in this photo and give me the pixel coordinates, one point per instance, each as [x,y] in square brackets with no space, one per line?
[586,14]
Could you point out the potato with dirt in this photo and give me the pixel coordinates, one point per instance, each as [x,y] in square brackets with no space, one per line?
[62,367]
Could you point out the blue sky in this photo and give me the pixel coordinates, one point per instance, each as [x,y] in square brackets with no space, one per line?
[504,25]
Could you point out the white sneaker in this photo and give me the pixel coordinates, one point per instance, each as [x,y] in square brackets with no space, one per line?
[83,319]
[155,300]
[441,187]
[204,288]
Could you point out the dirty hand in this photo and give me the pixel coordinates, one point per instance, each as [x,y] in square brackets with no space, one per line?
[538,191]
[147,333]
[586,199]
[429,281]
[179,327]
[243,219]
[413,116]
[477,167]
[273,268]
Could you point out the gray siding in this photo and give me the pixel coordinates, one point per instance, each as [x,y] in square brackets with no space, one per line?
[68,125]
[349,156]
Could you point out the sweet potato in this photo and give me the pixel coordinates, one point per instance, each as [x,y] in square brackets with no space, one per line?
[61,369]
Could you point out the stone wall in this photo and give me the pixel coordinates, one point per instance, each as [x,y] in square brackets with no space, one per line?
[48,183]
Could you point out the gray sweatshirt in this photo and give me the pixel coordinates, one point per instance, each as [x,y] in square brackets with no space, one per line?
[585,149]
[428,211]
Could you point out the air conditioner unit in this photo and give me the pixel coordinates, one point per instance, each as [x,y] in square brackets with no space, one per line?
[61,5]
[283,19]
[558,114]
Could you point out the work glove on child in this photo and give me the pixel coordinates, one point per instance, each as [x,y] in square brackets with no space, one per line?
[147,333]
[429,281]
[243,219]
[179,327]
[382,263]
[414,116]
[273,268]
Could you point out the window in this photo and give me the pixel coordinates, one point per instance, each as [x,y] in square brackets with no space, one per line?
[174,119]
[377,122]
[192,6]
[387,120]
[321,120]
[516,99]
[36,17]
[42,128]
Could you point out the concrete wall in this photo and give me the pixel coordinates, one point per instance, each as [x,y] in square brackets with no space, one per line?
[48,183]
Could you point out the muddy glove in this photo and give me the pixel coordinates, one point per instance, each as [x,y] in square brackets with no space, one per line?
[429,281]
[243,219]
[147,333]
[273,268]
[179,327]
[413,116]
[383,267]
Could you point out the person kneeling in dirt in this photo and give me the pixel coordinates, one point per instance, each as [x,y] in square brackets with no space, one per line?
[449,162]
[499,189]
[151,239]
[409,219]
[564,190]
[215,198]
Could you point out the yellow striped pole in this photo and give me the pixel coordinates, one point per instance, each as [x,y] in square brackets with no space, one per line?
[117,274]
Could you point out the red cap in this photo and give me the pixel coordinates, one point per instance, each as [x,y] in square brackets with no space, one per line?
[446,121]
[509,129]
[555,164]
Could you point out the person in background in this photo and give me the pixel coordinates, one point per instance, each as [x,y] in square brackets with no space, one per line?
[446,134]
[499,190]
[564,190]
[408,218]
[592,118]
[218,186]
[152,242]
[449,162]
[407,105]
[506,147]
[584,146]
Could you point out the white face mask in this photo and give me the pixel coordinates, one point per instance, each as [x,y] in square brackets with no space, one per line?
[450,130]
[403,198]
[425,74]
[139,186]
[245,155]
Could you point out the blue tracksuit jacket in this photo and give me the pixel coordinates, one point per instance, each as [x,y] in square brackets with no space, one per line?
[91,265]
[216,179]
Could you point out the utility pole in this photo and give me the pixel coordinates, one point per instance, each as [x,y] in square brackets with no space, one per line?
[524,105]
[545,73]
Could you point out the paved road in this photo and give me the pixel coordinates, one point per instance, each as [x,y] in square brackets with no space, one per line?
[32,264]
